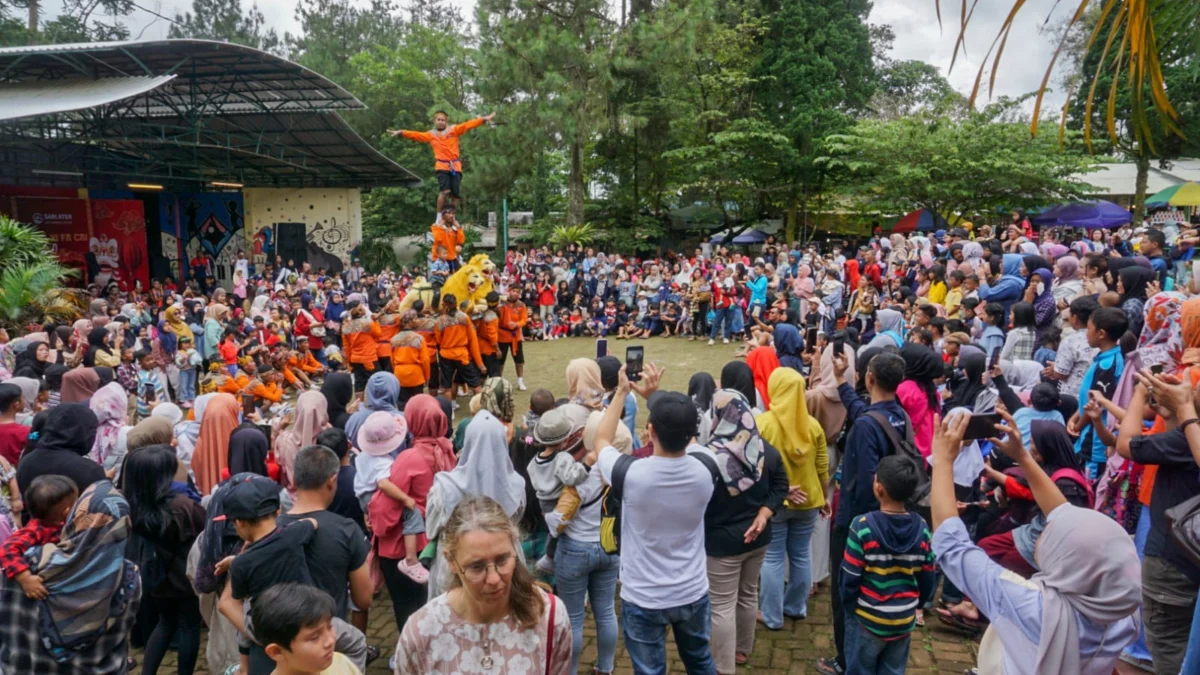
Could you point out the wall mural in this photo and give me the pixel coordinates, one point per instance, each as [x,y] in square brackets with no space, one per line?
[208,222]
[332,218]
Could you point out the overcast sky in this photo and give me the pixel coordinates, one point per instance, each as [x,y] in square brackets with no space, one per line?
[914,21]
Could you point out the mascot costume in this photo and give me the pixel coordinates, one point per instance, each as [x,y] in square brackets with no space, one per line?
[421,289]
[471,285]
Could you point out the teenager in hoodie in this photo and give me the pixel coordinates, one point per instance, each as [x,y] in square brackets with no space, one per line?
[1009,288]
[866,445]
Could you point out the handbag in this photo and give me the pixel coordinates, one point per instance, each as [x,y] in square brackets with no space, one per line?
[1183,522]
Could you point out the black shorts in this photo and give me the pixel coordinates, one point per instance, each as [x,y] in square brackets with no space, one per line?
[518,353]
[493,364]
[465,372]
[449,182]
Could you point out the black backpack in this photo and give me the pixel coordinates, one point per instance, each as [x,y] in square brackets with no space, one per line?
[905,447]
[610,510]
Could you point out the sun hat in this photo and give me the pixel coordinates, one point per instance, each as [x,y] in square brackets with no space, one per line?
[381,433]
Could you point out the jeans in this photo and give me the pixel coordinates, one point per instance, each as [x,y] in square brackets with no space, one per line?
[583,570]
[645,633]
[721,315]
[867,654]
[187,385]
[791,545]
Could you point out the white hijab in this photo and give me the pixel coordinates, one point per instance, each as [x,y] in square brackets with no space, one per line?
[484,468]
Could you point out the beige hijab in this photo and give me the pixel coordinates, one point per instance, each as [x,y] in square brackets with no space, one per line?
[823,401]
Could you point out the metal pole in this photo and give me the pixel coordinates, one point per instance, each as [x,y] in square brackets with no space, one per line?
[504,228]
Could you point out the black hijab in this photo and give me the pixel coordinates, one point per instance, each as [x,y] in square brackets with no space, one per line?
[1054,445]
[700,389]
[62,448]
[338,390]
[248,450]
[1036,262]
[737,375]
[448,411]
[1115,265]
[54,376]
[969,389]
[105,374]
[922,365]
[1134,278]
[95,344]
[27,365]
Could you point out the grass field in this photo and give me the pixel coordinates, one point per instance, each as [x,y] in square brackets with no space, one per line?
[546,364]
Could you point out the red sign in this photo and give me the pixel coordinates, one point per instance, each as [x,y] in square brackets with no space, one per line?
[119,242]
[65,222]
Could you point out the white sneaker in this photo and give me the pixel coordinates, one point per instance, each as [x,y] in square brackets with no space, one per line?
[726,340]
[521,384]
[711,342]
[454,406]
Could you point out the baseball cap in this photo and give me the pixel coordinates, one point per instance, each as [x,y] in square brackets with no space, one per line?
[254,497]
[674,412]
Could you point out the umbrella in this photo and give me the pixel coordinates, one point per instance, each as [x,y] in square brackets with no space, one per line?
[1184,194]
[751,237]
[921,219]
[1092,214]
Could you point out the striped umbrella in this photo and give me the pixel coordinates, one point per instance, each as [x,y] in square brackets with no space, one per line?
[1184,194]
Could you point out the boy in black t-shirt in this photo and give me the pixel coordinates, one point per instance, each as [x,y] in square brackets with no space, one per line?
[271,555]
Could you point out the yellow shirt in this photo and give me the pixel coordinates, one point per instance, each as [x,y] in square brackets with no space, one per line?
[340,666]
[937,292]
[953,302]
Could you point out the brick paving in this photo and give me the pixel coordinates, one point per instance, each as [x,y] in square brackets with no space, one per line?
[791,651]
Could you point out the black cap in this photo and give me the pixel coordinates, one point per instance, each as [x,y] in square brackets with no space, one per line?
[673,411]
[249,499]
[610,371]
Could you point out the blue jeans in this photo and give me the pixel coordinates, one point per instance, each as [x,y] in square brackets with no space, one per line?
[791,545]
[866,654]
[187,385]
[645,633]
[583,570]
[721,315]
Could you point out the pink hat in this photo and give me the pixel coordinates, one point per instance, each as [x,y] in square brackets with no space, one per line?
[382,433]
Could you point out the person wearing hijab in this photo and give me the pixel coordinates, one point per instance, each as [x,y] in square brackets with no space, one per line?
[788,345]
[63,447]
[110,403]
[737,375]
[970,391]
[889,327]
[33,361]
[79,384]
[310,418]
[800,440]
[99,353]
[1068,282]
[84,623]
[1045,309]
[763,362]
[381,394]
[823,400]
[338,390]
[214,330]
[701,387]
[585,384]
[496,397]
[484,468]
[1006,290]
[248,448]
[219,417]
[1160,342]
[738,526]
[29,394]
[1079,608]
[1131,284]
[918,393]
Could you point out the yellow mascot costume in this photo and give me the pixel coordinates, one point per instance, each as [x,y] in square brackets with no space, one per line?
[469,286]
[420,290]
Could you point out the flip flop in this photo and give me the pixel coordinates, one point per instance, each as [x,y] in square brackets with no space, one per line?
[960,624]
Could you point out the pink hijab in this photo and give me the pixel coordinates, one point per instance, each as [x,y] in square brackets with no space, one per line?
[312,416]
[111,405]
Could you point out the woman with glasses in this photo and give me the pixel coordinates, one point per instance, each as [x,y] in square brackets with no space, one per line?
[493,619]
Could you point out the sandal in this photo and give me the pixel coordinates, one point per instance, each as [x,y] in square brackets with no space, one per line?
[372,653]
[741,659]
[971,627]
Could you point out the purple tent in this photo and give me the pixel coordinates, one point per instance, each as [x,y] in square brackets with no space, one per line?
[1091,214]
[751,237]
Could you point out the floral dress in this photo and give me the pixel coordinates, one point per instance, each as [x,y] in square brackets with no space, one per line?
[436,641]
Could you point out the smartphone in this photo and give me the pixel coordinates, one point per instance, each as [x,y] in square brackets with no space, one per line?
[601,347]
[247,404]
[148,394]
[1156,369]
[995,359]
[266,429]
[982,426]
[810,338]
[634,357]
[839,343]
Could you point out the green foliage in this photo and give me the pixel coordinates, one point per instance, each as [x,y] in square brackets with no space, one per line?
[23,245]
[74,21]
[31,278]
[225,20]
[968,165]
[580,235]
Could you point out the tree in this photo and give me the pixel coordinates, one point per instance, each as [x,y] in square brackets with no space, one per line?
[908,87]
[76,21]
[969,165]
[225,20]
[32,279]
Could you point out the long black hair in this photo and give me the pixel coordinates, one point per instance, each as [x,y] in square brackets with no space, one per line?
[146,482]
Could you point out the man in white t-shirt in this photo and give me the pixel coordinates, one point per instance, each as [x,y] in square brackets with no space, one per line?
[664,578]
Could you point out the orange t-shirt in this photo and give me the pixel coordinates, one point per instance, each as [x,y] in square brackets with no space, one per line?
[444,143]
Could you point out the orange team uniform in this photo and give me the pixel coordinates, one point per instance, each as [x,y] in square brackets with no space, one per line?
[456,339]
[268,392]
[360,346]
[234,384]
[444,143]
[387,331]
[513,317]
[308,363]
[487,330]
[424,326]
[410,360]
[446,244]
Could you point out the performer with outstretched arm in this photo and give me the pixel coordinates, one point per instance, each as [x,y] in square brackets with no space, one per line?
[444,141]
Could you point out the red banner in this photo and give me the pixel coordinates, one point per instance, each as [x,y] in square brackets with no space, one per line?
[65,221]
[119,241]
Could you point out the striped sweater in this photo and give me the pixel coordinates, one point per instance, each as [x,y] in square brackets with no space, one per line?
[887,572]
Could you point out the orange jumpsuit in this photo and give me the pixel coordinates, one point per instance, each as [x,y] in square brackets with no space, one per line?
[410,360]
[446,244]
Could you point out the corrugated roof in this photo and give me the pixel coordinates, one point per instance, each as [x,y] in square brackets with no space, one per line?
[44,97]
[1120,179]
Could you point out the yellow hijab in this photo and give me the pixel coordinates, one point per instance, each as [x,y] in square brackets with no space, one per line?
[787,425]
[178,326]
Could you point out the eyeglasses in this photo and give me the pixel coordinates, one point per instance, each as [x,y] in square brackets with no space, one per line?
[477,572]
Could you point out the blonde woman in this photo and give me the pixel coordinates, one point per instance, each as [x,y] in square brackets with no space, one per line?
[493,619]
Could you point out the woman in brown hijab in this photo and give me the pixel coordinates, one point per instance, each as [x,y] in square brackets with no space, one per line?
[78,385]
[211,456]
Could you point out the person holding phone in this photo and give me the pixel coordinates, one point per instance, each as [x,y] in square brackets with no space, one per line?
[151,387]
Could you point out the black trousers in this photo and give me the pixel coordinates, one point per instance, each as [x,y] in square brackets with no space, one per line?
[176,616]
[361,375]
[837,551]
[407,595]
[700,320]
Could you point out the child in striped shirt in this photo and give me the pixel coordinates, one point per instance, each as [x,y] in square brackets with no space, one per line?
[887,574]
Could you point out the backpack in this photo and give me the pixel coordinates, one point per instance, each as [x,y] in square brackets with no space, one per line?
[219,538]
[1075,477]
[610,510]
[906,448]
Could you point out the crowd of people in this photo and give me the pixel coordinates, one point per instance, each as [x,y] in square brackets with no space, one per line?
[993,430]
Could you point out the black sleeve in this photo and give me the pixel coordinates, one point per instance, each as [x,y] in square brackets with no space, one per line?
[1007,396]
[358,548]
[778,477]
[239,579]
[1165,449]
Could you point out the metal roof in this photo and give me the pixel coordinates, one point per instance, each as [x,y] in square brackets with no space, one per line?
[1121,179]
[180,110]
[43,97]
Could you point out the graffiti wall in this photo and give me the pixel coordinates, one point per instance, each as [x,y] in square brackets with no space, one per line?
[212,223]
[332,219]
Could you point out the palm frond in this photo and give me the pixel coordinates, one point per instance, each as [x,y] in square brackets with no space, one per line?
[26,291]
